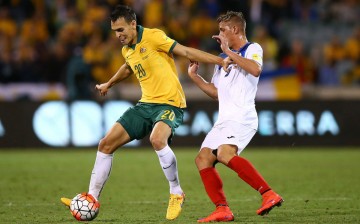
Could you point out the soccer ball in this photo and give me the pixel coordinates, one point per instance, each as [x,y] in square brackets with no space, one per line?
[84,207]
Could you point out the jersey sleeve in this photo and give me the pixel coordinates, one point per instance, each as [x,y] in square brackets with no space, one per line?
[255,52]
[215,78]
[162,42]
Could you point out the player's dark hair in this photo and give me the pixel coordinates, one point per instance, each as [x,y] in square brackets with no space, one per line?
[236,17]
[123,11]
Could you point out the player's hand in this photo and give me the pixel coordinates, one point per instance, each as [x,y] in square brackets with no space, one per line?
[102,88]
[226,62]
[193,68]
[224,43]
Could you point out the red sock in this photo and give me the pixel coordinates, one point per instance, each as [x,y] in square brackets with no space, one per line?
[213,186]
[247,172]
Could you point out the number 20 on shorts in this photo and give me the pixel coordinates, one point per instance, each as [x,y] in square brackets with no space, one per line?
[168,114]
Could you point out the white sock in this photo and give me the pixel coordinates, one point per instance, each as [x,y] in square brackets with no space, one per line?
[100,173]
[168,164]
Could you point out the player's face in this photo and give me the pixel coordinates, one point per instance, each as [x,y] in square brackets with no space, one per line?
[126,32]
[226,30]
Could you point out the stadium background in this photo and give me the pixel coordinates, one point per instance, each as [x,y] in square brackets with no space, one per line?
[58,50]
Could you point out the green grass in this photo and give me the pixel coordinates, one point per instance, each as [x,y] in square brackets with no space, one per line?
[318,185]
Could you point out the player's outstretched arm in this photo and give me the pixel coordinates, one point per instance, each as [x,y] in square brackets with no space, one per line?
[197,55]
[205,86]
[123,72]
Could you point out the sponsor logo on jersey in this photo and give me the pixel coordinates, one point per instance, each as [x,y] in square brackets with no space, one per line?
[256,57]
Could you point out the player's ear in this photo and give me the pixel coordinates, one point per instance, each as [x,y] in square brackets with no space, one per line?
[133,24]
[235,29]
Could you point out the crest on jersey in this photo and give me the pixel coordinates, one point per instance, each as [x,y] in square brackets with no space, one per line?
[142,50]
[228,72]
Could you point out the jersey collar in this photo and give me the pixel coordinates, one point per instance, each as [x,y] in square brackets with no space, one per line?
[139,30]
[243,49]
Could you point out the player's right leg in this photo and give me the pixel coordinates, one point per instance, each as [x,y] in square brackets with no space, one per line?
[116,137]
[228,155]
[205,161]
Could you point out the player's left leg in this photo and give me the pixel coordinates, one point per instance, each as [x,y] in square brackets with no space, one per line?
[159,140]
[247,172]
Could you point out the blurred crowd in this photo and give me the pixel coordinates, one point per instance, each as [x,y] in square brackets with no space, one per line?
[70,41]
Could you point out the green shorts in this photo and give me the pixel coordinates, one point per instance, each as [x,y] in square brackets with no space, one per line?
[139,120]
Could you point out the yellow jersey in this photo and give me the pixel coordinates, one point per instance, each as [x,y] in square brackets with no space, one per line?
[153,64]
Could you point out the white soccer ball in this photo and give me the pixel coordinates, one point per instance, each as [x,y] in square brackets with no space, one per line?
[84,207]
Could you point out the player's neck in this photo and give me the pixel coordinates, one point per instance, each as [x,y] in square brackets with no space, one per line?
[134,40]
[240,43]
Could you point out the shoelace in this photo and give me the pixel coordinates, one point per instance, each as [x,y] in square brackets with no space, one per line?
[172,202]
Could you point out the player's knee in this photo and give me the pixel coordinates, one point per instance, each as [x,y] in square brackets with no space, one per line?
[221,158]
[202,162]
[157,143]
[198,160]
[224,157]
[104,146]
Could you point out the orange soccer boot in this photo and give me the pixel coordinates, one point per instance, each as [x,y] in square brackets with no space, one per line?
[270,200]
[221,214]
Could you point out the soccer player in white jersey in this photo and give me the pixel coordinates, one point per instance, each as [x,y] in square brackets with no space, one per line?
[237,122]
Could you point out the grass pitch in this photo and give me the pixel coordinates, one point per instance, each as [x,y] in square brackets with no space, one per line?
[318,185]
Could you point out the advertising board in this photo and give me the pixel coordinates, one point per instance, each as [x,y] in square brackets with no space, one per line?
[84,123]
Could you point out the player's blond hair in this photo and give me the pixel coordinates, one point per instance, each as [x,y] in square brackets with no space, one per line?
[236,17]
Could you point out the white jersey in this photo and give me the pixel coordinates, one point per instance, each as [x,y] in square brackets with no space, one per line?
[237,89]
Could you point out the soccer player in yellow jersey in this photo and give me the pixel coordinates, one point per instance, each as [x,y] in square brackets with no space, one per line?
[148,55]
